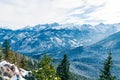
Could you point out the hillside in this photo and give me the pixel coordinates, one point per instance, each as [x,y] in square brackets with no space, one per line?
[110,43]
[91,59]
[78,77]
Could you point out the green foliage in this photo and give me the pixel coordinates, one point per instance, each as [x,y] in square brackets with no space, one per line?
[8,54]
[1,54]
[13,57]
[106,72]
[46,70]
[63,69]
[6,50]
[23,63]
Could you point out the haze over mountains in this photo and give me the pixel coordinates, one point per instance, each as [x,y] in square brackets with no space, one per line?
[56,37]
[85,45]
[92,57]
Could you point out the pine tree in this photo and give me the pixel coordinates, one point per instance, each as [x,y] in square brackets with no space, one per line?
[8,54]
[1,54]
[11,57]
[46,70]
[23,63]
[18,58]
[6,49]
[14,58]
[106,72]
[63,69]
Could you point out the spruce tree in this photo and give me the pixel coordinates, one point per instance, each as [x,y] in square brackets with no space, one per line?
[106,71]
[14,58]
[23,63]
[1,54]
[46,70]
[6,49]
[63,69]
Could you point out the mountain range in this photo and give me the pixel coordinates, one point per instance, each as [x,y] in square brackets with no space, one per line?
[54,38]
[86,45]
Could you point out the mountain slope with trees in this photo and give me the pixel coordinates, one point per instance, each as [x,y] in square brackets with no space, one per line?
[38,69]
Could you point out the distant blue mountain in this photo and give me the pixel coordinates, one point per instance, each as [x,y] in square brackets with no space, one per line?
[92,57]
[55,38]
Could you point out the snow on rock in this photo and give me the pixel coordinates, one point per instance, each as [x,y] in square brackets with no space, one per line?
[9,71]
[15,77]
[23,72]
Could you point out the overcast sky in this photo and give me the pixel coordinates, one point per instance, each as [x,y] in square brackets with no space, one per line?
[20,13]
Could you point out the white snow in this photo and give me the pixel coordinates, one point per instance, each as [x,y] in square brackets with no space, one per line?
[6,78]
[12,41]
[59,41]
[23,72]
[73,43]
[21,35]
[17,73]
[3,63]
[15,78]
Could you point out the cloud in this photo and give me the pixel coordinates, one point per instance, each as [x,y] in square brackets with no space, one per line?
[82,12]
[87,11]
[109,13]
[19,13]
